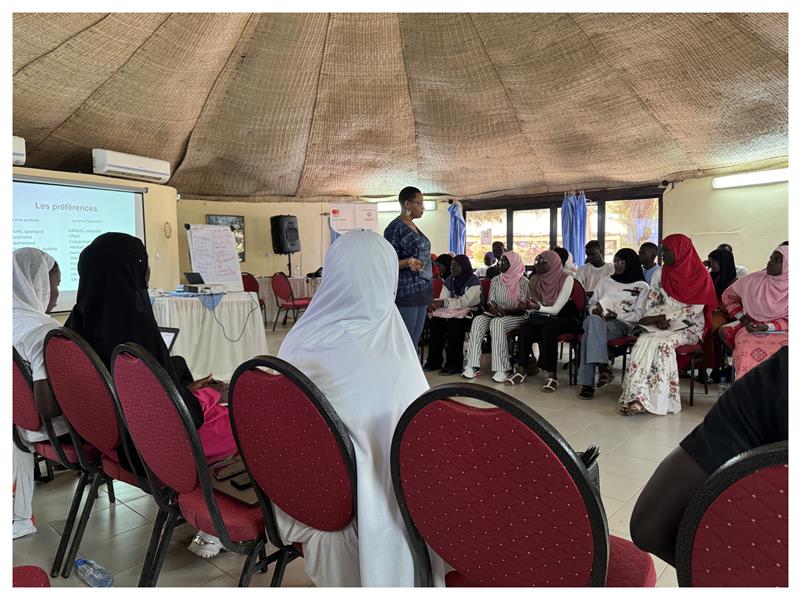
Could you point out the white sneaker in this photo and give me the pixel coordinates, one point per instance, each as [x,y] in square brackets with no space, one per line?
[205,545]
[500,376]
[470,372]
[22,528]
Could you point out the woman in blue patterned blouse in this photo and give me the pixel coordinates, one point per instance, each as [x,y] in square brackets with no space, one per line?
[414,287]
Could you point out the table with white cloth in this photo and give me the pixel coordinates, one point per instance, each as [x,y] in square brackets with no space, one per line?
[213,340]
[301,287]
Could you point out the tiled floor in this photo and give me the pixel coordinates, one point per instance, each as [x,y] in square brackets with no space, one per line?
[117,534]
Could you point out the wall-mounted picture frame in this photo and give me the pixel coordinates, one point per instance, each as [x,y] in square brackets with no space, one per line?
[236,222]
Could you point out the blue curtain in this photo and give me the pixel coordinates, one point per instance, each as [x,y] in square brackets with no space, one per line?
[573,225]
[458,229]
[334,234]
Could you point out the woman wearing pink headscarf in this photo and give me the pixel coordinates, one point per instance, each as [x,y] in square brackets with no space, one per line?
[760,304]
[504,311]
[551,312]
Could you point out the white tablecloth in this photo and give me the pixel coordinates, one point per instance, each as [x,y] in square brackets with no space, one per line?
[214,341]
[301,287]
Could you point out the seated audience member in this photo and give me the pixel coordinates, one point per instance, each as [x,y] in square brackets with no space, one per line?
[504,311]
[648,253]
[36,277]
[550,313]
[760,304]
[678,311]
[566,260]
[452,312]
[498,249]
[488,261]
[443,263]
[723,274]
[753,412]
[595,268]
[618,303]
[740,270]
[112,308]
[353,345]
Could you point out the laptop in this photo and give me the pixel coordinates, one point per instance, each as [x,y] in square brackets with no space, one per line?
[194,278]
[169,335]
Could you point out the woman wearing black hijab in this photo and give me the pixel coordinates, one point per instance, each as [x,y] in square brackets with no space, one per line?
[461,294]
[113,307]
[618,303]
[723,274]
[444,262]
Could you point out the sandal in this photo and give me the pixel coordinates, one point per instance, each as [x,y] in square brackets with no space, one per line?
[205,545]
[586,392]
[550,386]
[516,379]
[632,409]
[605,378]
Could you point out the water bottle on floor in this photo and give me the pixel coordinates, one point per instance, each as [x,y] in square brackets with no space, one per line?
[722,387]
[93,573]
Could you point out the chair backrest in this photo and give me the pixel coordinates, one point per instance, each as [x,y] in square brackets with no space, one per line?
[578,295]
[249,282]
[82,388]
[437,288]
[293,443]
[24,412]
[156,417]
[496,492]
[735,530]
[281,287]
[485,284]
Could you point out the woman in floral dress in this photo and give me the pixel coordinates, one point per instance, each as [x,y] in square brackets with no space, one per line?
[681,295]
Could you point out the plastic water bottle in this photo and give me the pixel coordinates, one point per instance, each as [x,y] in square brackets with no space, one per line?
[297,271]
[722,387]
[93,573]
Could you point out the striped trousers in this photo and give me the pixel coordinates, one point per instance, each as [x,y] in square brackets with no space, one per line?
[498,327]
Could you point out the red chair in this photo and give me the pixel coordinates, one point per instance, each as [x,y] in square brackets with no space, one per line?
[573,340]
[437,287]
[499,495]
[250,284]
[285,299]
[267,411]
[735,531]
[621,346]
[166,437]
[56,450]
[83,389]
[485,284]
[30,576]
[693,352]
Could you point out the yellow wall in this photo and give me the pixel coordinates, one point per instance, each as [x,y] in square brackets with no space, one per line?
[311,220]
[754,220]
[159,209]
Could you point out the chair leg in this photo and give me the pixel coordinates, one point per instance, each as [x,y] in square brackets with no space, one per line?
[624,366]
[251,563]
[280,568]
[163,546]
[110,486]
[76,540]
[277,316]
[263,557]
[705,379]
[691,383]
[73,512]
[158,528]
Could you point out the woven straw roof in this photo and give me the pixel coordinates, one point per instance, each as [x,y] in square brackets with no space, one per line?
[253,105]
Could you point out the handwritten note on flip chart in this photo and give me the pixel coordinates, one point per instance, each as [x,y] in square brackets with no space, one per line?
[349,216]
[212,250]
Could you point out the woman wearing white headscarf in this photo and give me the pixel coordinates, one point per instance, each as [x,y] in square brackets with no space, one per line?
[353,345]
[35,284]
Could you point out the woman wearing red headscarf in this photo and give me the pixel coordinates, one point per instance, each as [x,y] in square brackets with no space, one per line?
[678,312]
[760,304]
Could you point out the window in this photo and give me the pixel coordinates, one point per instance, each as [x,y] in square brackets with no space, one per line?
[531,233]
[629,223]
[591,224]
[484,227]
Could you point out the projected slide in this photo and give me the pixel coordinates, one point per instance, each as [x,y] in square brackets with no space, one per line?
[62,220]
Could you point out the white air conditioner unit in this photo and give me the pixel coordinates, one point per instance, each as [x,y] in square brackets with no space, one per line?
[128,166]
[18,147]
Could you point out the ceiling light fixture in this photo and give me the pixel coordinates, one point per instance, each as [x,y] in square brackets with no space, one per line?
[756,178]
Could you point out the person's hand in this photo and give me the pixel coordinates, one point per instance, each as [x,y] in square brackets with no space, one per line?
[437,303]
[414,265]
[598,310]
[532,304]
[200,383]
[611,315]
[755,327]
[745,320]
[706,263]
[663,324]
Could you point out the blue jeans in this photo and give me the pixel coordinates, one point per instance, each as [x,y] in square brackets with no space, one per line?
[597,332]
[414,319]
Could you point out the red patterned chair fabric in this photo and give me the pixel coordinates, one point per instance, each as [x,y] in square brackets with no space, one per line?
[30,576]
[47,451]
[735,533]
[490,496]
[24,412]
[244,522]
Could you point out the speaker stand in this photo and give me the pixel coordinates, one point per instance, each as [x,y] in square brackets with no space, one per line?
[290,265]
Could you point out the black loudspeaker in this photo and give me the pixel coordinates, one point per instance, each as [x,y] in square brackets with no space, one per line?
[285,234]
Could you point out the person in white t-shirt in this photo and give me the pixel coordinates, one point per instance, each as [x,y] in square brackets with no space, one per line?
[618,303]
[36,277]
[595,269]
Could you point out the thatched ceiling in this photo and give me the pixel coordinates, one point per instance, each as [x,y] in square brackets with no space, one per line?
[465,104]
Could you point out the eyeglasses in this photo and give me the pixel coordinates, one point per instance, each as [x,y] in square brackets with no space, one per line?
[540,260]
